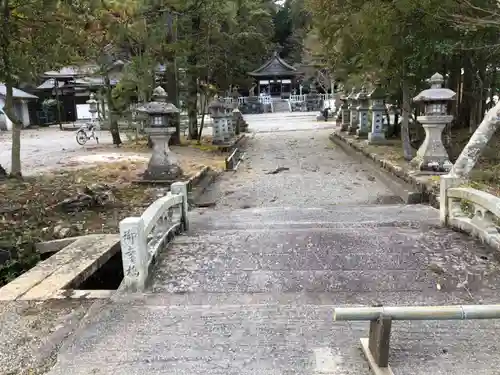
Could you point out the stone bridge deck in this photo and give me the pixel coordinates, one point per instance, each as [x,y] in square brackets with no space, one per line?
[251,288]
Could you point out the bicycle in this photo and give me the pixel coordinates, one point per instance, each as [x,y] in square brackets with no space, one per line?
[82,135]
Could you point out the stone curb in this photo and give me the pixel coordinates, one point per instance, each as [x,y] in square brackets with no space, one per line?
[428,196]
[193,181]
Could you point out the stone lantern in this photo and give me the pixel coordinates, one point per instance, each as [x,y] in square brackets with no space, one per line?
[345,113]
[161,114]
[362,109]
[432,156]
[353,114]
[377,96]
[217,110]
[92,107]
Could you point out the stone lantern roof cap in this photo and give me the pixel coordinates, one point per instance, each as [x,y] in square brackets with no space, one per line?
[436,93]
[91,99]
[362,95]
[159,104]
[217,104]
[352,94]
[377,93]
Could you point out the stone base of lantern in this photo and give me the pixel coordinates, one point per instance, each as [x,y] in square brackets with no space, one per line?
[376,138]
[432,156]
[352,129]
[344,127]
[435,166]
[361,134]
[162,166]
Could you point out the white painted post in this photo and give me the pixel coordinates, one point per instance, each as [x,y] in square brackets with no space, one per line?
[181,188]
[134,248]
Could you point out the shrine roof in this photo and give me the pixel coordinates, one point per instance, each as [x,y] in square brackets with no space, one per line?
[275,66]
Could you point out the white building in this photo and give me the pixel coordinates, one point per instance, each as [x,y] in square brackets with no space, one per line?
[20,107]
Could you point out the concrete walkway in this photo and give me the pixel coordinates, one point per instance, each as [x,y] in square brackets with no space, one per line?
[251,288]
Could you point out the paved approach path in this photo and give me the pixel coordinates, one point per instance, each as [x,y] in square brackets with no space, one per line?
[317,173]
[251,288]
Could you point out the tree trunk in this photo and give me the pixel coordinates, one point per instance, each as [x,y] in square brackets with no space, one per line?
[173,96]
[192,82]
[102,105]
[467,103]
[192,103]
[405,123]
[113,119]
[15,170]
[58,103]
[454,84]
[204,103]
[477,143]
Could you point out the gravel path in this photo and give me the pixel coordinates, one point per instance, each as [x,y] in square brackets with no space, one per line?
[299,169]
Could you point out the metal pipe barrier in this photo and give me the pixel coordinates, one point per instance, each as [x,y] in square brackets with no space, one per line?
[376,346]
[457,312]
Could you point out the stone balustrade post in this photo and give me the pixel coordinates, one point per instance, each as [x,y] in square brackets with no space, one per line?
[377,134]
[134,249]
[181,189]
[432,155]
[362,109]
[353,113]
[446,182]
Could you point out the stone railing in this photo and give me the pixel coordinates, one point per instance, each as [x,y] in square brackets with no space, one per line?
[470,210]
[264,99]
[298,98]
[141,238]
[475,212]
[303,97]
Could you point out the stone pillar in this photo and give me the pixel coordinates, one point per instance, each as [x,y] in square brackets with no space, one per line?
[229,120]
[362,108]
[236,121]
[353,113]
[377,135]
[217,112]
[432,156]
[345,114]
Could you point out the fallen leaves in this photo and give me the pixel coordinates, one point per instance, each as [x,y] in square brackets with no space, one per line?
[29,214]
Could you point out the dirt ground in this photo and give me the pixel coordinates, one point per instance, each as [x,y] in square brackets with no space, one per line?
[31,210]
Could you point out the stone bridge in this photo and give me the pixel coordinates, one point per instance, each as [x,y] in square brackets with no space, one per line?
[250,285]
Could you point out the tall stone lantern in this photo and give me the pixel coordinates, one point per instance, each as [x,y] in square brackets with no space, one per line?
[362,108]
[377,96]
[161,114]
[92,108]
[345,113]
[217,110]
[432,156]
[353,113]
